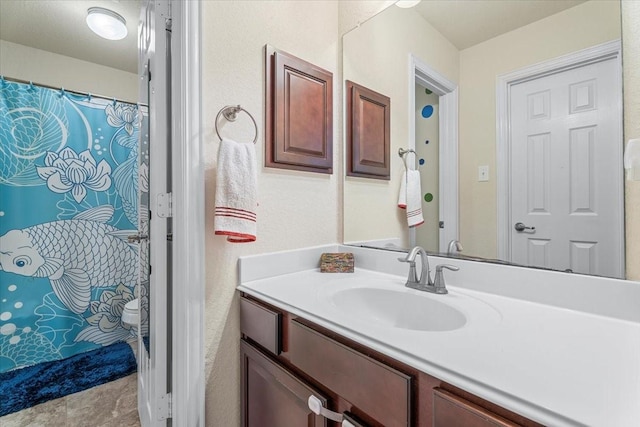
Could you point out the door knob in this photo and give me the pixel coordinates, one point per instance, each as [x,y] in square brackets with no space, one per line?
[521,227]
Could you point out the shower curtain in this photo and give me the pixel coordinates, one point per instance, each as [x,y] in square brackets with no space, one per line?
[68,200]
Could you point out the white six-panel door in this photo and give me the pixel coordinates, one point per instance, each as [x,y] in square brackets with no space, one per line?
[565,171]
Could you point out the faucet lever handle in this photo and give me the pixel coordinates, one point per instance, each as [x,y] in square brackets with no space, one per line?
[439,284]
[439,267]
[413,275]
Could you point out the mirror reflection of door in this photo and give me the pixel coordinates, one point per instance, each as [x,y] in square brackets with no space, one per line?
[427,143]
[566,179]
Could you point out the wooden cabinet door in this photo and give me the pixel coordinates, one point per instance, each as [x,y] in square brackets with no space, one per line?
[272,396]
[368,132]
[299,114]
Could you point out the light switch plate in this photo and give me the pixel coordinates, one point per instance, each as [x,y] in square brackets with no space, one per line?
[483,173]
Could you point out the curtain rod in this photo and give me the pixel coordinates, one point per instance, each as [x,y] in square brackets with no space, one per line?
[75,92]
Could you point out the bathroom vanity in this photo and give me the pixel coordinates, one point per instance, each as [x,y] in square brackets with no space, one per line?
[493,351]
[286,359]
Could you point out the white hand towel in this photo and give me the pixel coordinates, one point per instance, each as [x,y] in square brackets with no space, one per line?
[410,189]
[402,197]
[236,192]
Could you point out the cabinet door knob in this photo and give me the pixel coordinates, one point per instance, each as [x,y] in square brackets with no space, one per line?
[316,407]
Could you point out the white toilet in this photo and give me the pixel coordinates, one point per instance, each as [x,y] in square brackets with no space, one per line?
[130,313]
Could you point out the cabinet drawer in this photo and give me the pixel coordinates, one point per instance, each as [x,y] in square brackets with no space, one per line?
[261,324]
[373,387]
[450,410]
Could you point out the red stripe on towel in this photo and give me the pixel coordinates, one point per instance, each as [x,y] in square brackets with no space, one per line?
[233,237]
[239,211]
[236,216]
[235,209]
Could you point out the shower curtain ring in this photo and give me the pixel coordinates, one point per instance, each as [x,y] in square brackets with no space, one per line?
[114,102]
[31,85]
[89,96]
[62,93]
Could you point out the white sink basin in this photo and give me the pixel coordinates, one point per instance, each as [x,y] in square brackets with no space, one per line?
[399,309]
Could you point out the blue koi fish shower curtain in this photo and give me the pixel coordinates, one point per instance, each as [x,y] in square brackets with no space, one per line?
[68,200]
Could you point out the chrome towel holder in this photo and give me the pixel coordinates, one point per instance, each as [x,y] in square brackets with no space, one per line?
[402,152]
[230,112]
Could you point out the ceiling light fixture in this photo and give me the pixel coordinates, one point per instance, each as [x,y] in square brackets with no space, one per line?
[406,4]
[106,23]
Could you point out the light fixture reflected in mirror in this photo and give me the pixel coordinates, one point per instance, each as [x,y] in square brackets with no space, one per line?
[405,4]
[106,23]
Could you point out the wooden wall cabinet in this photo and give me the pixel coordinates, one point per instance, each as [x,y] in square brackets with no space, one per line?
[368,132]
[370,388]
[299,114]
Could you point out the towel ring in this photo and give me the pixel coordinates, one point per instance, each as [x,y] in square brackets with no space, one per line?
[402,152]
[230,112]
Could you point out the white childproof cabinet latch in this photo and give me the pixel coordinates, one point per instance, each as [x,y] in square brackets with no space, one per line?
[316,407]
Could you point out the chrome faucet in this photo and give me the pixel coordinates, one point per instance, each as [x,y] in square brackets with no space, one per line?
[454,245]
[425,277]
[424,283]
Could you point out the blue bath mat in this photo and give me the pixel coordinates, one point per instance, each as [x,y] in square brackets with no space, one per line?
[26,387]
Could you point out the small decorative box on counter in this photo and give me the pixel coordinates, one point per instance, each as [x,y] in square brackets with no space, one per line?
[341,262]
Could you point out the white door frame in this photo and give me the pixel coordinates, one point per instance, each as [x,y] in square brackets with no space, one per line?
[187,373]
[448,145]
[153,389]
[605,51]
[185,403]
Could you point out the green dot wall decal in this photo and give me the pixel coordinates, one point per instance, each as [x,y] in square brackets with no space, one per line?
[428,197]
[427,91]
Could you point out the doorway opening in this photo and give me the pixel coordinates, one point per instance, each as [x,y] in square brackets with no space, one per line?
[423,78]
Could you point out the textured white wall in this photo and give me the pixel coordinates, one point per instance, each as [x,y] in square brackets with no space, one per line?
[40,66]
[631,64]
[579,27]
[296,209]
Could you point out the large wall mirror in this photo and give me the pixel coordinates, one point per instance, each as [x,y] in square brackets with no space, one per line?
[524,99]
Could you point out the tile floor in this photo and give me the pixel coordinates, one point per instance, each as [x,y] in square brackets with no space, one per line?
[113,404]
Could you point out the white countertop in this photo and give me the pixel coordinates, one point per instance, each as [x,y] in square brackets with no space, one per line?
[557,366]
